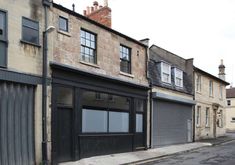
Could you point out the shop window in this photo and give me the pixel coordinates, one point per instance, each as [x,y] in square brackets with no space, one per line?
[118,122]
[88,46]
[125,59]
[63,24]
[30,31]
[139,123]
[3,39]
[65,96]
[94,121]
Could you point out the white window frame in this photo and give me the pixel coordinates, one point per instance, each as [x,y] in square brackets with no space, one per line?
[211,88]
[179,77]
[166,72]
[207,115]
[198,83]
[198,116]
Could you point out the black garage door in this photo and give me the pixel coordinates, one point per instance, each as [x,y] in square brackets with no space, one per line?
[171,123]
[16,124]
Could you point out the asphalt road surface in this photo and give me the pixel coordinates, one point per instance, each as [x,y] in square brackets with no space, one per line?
[216,155]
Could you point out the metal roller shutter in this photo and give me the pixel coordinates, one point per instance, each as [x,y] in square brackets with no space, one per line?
[16,124]
[171,123]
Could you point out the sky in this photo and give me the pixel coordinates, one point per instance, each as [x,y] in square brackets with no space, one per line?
[199,29]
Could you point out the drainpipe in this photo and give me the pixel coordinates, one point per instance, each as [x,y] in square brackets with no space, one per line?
[46,4]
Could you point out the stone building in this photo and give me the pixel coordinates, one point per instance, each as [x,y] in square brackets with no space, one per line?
[210,95]
[99,87]
[172,97]
[230,109]
[21,26]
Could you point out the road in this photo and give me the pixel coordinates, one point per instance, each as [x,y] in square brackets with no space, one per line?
[216,155]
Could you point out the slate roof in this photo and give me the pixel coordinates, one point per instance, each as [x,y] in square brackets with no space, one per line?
[230,93]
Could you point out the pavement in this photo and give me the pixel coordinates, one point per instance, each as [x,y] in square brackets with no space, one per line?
[149,155]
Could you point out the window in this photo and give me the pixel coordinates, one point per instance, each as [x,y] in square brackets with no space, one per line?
[178,77]
[207,116]
[94,121]
[30,31]
[165,73]
[221,91]
[198,83]
[122,118]
[139,123]
[211,88]
[65,96]
[3,39]
[102,115]
[228,102]
[221,119]
[125,59]
[88,46]
[198,111]
[63,24]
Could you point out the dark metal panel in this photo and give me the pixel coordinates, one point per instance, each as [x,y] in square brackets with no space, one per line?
[170,122]
[16,124]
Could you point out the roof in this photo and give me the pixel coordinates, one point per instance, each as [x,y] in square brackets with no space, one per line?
[230,93]
[97,24]
[210,75]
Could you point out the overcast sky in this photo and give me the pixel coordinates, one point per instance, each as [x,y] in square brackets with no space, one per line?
[199,29]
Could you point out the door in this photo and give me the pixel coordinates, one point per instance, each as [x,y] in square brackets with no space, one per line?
[64,134]
[16,124]
[170,123]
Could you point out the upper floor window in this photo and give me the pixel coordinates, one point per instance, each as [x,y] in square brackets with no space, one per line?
[63,24]
[3,39]
[228,102]
[88,46]
[211,88]
[125,59]
[178,77]
[221,91]
[165,73]
[30,31]
[198,83]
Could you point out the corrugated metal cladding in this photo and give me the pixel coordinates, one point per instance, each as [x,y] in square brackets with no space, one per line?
[171,123]
[16,124]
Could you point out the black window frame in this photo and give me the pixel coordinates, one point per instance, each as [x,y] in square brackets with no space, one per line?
[123,60]
[36,29]
[4,40]
[108,110]
[83,53]
[67,24]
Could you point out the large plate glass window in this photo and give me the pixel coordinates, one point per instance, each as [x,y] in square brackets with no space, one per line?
[139,115]
[30,31]
[104,113]
[125,59]
[88,46]
[3,39]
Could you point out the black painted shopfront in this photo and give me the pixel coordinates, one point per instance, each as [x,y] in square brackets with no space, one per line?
[95,115]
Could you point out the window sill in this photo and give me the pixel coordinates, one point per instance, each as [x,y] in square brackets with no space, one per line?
[198,126]
[126,74]
[64,33]
[30,43]
[199,92]
[90,64]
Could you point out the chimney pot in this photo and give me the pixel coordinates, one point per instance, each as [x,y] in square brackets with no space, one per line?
[92,9]
[84,12]
[95,3]
[100,6]
[105,2]
[88,10]
[73,5]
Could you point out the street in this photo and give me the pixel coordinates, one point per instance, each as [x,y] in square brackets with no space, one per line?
[216,155]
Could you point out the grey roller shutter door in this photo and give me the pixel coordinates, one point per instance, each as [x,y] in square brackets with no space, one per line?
[170,122]
[16,124]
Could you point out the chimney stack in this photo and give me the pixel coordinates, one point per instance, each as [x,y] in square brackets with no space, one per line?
[99,13]
[222,70]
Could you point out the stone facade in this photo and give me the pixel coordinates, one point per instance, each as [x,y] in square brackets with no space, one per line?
[25,58]
[213,123]
[230,110]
